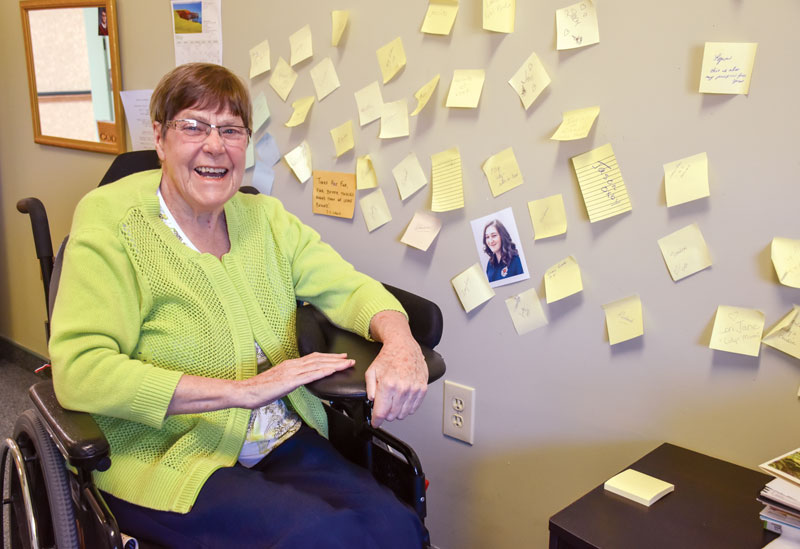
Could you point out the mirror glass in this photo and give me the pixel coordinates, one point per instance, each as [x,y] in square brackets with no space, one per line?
[73,73]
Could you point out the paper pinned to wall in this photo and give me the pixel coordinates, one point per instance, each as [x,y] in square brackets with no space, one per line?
[343,138]
[299,160]
[465,88]
[409,176]
[737,330]
[548,216]
[325,79]
[624,319]
[502,171]
[499,15]
[300,45]
[440,17]
[562,280]
[526,311]
[530,80]
[423,95]
[685,252]
[369,102]
[576,26]
[785,334]
[727,67]
[136,104]
[339,20]
[260,111]
[421,231]
[472,287]
[259,59]
[391,58]
[375,210]
[283,78]
[448,188]
[301,108]
[785,253]
[334,194]
[197,31]
[366,178]
[394,119]
[266,155]
[602,187]
[576,124]
[686,179]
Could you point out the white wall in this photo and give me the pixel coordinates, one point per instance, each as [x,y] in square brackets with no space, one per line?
[558,410]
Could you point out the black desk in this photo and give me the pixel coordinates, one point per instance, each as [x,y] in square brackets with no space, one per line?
[713,505]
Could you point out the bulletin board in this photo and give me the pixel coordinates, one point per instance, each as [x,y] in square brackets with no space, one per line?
[559,409]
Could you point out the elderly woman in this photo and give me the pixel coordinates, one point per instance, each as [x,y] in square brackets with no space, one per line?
[175,327]
[504,259]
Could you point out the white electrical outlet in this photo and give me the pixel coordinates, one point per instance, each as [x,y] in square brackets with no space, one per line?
[458,420]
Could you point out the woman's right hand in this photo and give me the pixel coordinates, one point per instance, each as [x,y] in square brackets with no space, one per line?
[280,380]
[195,394]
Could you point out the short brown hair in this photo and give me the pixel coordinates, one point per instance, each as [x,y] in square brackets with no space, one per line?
[199,86]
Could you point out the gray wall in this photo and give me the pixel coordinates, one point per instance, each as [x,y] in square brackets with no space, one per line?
[558,410]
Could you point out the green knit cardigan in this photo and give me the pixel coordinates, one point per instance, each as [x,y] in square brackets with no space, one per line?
[136,309]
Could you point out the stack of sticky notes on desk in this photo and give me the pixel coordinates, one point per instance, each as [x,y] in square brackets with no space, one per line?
[639,487]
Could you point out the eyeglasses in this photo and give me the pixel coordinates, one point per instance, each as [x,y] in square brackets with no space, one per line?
[195,131]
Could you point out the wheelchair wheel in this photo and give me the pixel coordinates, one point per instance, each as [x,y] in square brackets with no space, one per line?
[49,489]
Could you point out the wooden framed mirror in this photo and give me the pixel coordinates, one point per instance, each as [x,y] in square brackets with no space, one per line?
[74,80]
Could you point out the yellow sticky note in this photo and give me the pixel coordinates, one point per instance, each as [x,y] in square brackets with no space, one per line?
[576,26]
[785,254]
[548,216]
[301,108]
[334,194]
[562,280]
[576,124]
[394,119]
[343,138]
[391,58]
[530,80]
[502,171]
[785,334]
[686,179]
[409,176]
[325,79]
[421,231]
[338,24]
[465,88]
[448,188]
[526,311]
[366,178]
[375,210]
[440,17]
[602,187]
[299,160]
[259,59]
[638,487]
[685,252]
[369,102]
[300,45]
[499,15]
[283,79]
[727,67]
[472,287]
[260,111]
[737,330]
[424,94]
[624,319]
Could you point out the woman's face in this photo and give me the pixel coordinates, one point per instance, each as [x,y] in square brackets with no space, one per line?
[492,238]
[205,175]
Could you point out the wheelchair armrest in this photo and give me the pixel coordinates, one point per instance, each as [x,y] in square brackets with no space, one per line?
[317,333]
[76,434]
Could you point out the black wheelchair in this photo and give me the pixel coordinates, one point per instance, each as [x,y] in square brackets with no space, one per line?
[49,498]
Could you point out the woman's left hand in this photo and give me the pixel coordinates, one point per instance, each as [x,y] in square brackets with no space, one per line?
[397,379]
